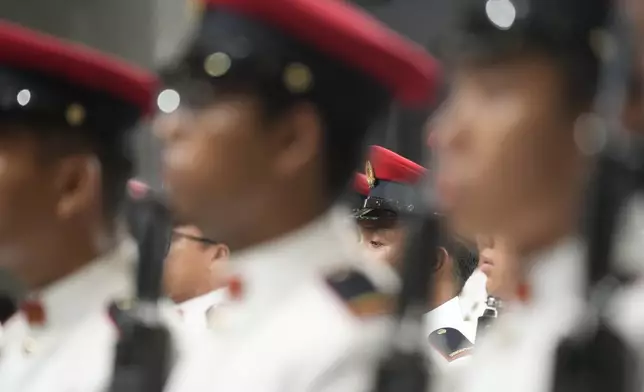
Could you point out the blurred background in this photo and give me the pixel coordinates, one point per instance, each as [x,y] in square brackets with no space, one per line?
[151,33]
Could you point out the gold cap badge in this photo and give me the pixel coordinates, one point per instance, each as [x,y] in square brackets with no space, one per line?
[371,176]
[75,115]
[217,64]
[298,78]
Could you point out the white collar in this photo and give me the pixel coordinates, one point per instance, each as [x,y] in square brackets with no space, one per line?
[94,286]
[447,315]
[329,228]
[319,246]
[474,295]
[195,311]
[558,272]
[269,274]
[201,303]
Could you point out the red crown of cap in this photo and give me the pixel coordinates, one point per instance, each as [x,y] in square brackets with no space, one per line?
[350,35]
[77,64]
[360,184]
[389,166]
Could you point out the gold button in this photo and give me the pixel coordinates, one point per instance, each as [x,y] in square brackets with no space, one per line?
[75,114]
[298,78]
[29,345]
[441,332]
[217,64]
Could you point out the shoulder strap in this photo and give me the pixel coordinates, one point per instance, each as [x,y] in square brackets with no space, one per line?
[359,294]
[451,343]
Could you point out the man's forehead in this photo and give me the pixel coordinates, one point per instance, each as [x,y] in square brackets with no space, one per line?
[519,64]
[379,225]
[19,140]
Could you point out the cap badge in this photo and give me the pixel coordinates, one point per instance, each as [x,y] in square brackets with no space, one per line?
[371,176]
[298,78]
[75,114]
[217,64]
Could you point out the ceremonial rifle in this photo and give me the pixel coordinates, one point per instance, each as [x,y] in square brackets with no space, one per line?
[12,291]
[144,351]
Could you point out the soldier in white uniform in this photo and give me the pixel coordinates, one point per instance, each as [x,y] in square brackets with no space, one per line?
[525,76]
[389,182]
[194,269]
[275,98]
[195,274]
[65,116]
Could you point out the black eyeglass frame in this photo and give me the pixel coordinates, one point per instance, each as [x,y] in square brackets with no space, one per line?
[201,240]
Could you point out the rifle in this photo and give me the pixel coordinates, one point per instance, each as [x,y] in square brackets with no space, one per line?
[144,350]
[12,291]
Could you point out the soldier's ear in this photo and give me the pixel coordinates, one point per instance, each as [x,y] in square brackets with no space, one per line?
[77,184]
[220,252]
[443,258]
[300,139]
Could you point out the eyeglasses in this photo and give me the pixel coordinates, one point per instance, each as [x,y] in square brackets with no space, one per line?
[205,241]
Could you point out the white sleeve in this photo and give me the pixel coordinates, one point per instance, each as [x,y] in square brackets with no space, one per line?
[349,374]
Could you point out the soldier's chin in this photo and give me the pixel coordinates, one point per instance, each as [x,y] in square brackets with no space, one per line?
[180,217]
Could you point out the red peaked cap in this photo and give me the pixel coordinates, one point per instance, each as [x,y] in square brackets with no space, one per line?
[360,184]
[389,166]
[344,32]
[77,65]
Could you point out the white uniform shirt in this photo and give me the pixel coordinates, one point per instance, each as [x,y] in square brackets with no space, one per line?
[473,302]
[517,353]
[626,308]
[73,350]
[627,317]
[460,313]
[290,331]
[194,312]
[450,315]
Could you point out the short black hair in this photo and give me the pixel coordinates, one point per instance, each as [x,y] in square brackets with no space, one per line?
[560,31]
[112,148]
[465,259]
